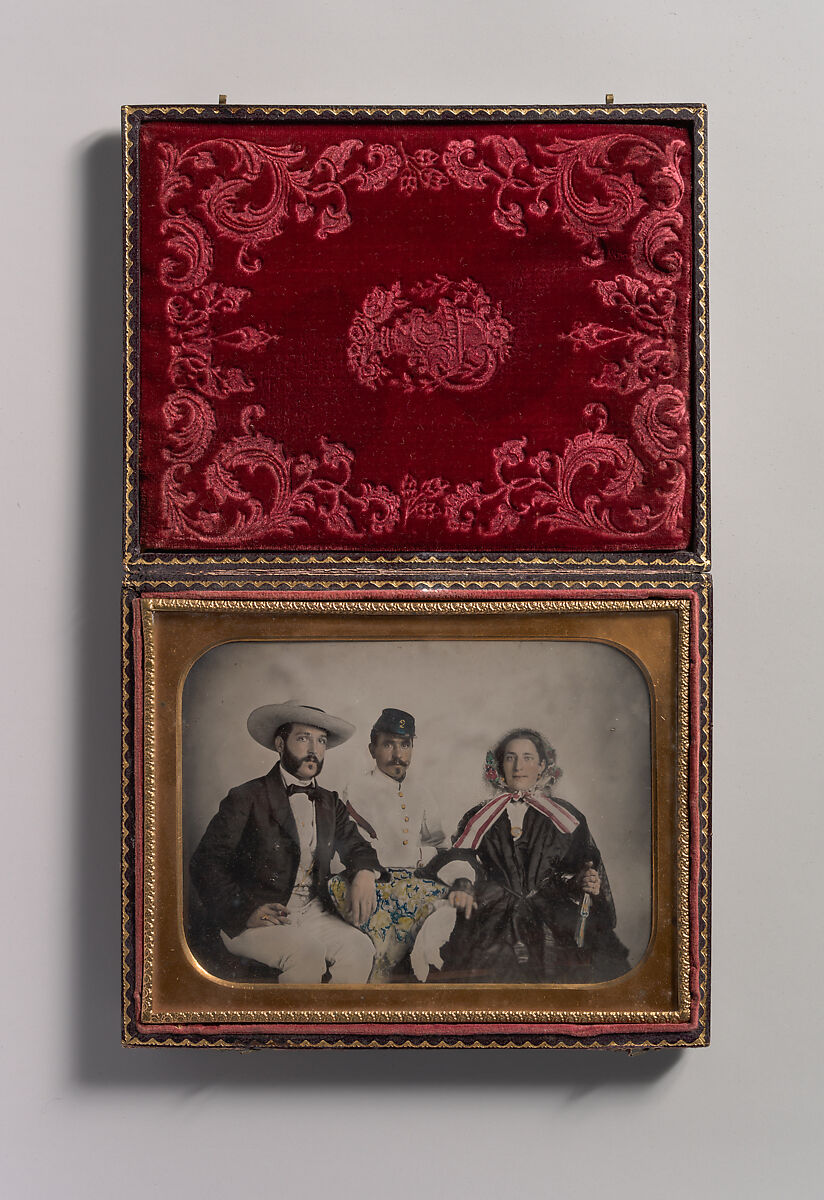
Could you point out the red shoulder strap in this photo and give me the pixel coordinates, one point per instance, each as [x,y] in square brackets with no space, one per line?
[359,820]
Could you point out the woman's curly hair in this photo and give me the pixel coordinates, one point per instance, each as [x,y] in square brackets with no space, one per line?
[494,768]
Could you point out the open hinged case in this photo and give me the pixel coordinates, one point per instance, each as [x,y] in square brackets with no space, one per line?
[416,422]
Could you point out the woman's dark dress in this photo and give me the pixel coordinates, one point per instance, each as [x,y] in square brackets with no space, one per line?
[529,906]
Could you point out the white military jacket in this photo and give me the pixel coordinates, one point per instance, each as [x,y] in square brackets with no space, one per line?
[401,820]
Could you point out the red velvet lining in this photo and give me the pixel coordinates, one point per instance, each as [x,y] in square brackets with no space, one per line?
[415,337]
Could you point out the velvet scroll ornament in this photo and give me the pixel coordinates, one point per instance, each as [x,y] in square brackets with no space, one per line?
[401,337]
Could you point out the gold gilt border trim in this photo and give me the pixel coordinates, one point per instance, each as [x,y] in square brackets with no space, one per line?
[475,1015]
[444,586]
[128,789]
[288,1042]
[134,560]
[701,353]
[703,789]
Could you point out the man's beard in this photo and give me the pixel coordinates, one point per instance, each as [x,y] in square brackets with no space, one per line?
[292,764]
[393,767]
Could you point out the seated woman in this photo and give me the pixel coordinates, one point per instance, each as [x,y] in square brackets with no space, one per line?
[528,882]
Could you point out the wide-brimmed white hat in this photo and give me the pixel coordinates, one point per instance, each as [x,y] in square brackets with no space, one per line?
[264,722]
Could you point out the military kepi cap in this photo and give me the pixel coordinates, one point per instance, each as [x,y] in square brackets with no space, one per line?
[395,721]
[264,722]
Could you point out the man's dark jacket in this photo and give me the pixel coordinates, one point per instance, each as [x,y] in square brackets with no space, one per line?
[250,851]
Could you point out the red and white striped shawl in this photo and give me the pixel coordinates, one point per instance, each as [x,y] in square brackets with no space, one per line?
[486,816]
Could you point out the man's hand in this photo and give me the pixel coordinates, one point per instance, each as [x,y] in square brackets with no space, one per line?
[464,903]
[362,897]
[589,881]
[268,914]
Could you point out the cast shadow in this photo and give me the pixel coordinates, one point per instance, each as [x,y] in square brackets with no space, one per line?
[97,1058]
[95,925]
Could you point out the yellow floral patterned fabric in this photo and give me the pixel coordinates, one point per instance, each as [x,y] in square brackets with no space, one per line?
[404,903]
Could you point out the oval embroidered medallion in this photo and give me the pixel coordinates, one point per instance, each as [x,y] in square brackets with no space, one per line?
[438,334]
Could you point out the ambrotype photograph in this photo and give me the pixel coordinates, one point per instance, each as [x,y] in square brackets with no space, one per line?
[374,791]
[391,820]
[417,812]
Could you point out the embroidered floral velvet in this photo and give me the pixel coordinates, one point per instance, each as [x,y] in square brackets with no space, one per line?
[415,337]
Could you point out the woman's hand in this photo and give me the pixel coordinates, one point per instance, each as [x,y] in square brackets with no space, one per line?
[464,902]
[589,881]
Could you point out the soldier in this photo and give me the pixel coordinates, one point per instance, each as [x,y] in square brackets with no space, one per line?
[398,814]
[395,810]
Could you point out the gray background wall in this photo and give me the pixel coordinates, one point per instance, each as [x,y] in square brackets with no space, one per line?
[590,700]
[84,1118]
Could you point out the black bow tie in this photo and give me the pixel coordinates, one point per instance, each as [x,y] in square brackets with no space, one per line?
[293,789]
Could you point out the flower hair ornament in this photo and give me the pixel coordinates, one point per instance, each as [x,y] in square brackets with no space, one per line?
[483,818]
[493,775]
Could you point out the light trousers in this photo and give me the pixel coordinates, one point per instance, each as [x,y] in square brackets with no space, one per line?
[314,942]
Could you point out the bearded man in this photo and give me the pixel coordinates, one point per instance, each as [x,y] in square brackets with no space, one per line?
[261,869]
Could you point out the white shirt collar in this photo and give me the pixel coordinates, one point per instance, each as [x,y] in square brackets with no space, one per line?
[288,779]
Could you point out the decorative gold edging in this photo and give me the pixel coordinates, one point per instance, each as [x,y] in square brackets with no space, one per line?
[429,558]
[559,1042]
[682,806]
[703,789]
[490,1016]
[697,559]
[130,526]
[125,938]
[701,288]
[151,605]
[445,587]
[426,112]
